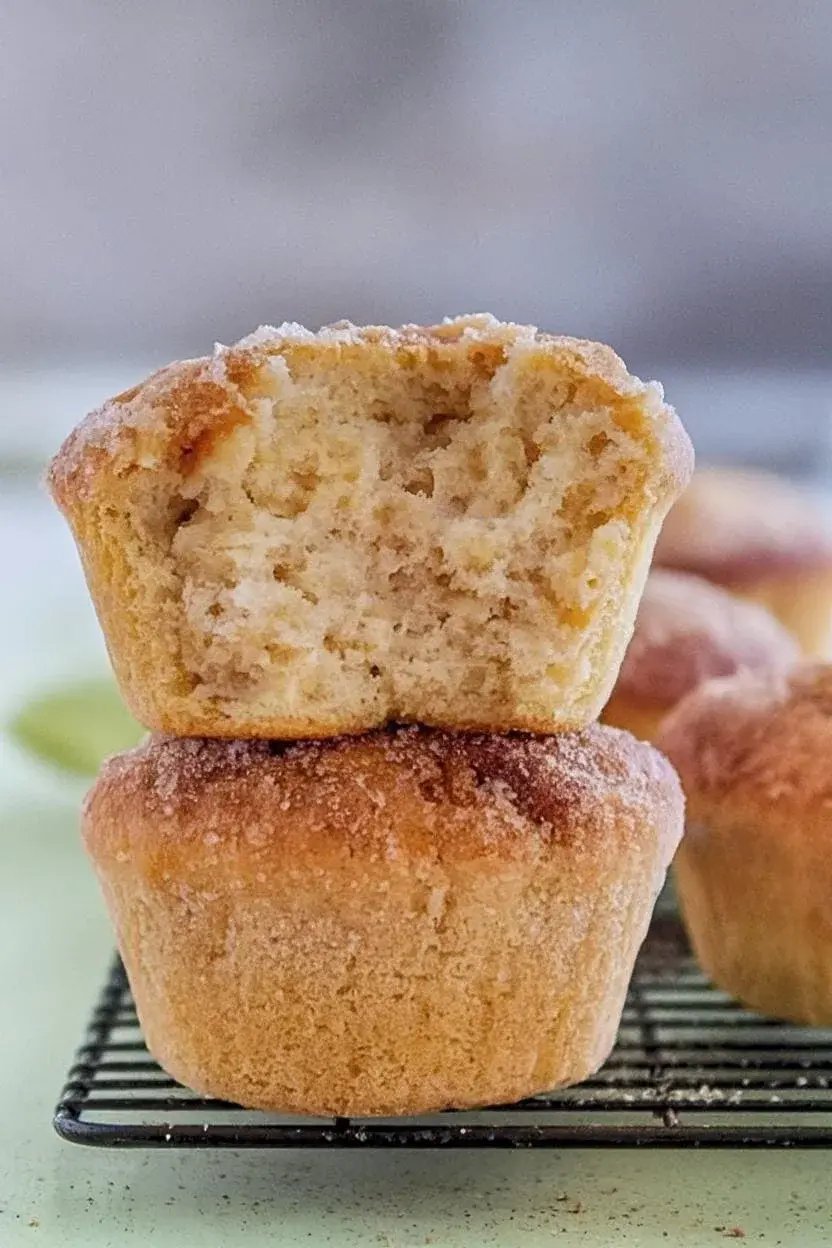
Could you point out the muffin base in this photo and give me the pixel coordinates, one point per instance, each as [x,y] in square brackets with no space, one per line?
[383,925]
[759,918]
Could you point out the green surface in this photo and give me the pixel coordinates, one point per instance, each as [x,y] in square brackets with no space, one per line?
[77,726]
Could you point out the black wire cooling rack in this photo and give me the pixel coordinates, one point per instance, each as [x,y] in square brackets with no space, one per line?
[690,1068]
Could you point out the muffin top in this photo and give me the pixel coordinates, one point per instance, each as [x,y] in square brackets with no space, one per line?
[732,526]
[401,794]
[756,746]
[310,534]
[689,631]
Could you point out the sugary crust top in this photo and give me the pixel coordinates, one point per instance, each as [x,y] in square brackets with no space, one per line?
[756,746]
[689,631]
[174,418]
[404,793]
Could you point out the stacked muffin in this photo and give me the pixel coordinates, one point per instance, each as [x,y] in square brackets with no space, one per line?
[377,586]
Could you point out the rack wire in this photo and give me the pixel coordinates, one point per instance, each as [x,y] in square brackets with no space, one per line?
[690,1069]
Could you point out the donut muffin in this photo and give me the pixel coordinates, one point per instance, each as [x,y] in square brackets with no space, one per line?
[385,924]
[313,534]
[688,631]
[754,870]
[762,538]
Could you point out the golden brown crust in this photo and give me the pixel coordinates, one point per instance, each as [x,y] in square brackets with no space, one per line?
[174,417]
[689,631]
[754,895]
[386,924]
[194,721]
[221,622]
[754,871]
[565,782]
[757,743]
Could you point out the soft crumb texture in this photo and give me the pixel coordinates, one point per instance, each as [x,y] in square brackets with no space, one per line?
[311,534]
[754,871]
[385,924]
[689,631]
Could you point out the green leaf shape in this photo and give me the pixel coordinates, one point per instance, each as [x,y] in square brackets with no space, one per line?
[76,727]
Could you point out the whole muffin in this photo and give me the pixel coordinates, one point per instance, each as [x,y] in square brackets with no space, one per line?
[384,924]
[754,870]
[759,536]
[689,631]
[313,534]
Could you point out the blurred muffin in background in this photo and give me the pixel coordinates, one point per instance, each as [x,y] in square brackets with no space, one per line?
[753,873]
[688,631]
[761,537]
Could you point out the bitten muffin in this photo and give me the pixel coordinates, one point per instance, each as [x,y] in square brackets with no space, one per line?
[386,924]
[312,534]
[761,537]
[688,631]
[754,871]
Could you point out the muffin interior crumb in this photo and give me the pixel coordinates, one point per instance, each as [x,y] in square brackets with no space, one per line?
[376,530]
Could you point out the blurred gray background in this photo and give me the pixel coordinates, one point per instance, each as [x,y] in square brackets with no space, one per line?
[655,175]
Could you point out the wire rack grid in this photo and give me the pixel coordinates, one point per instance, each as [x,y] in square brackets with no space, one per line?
[690,1069]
